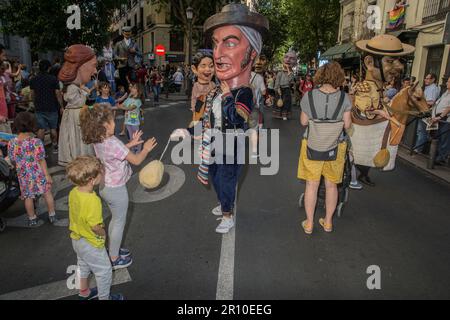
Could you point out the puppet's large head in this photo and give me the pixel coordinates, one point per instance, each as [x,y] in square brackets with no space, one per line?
[290,59]
[80,64]
[382,61]
[237,37]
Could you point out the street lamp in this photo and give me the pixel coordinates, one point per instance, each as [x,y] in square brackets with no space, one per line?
[190,16]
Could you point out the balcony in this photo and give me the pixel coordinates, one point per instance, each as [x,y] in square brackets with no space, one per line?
[435,10]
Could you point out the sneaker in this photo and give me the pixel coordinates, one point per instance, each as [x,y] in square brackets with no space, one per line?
[52,219]
[356,185]
[217,211]
[121,263]
[34,223]
[124,252]
[116,296]
[93,295]
[225,226]
[285,119]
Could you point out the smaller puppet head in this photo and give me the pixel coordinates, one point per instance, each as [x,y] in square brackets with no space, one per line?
[203,67]
[290,59]
[261,64]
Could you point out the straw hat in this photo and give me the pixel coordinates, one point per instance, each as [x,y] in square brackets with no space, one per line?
[236,14]
[385,45]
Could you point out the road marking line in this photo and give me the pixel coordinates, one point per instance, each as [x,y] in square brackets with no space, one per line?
[225,281]
[58,290]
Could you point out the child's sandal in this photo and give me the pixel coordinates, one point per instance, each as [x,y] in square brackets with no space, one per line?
[308,229]
[326,227]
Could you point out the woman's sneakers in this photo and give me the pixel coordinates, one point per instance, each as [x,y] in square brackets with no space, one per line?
[121,263]
[226,225]
[217,211]
[356,185]
[35,222]
[116,296]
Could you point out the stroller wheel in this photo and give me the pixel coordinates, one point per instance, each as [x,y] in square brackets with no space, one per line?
[301,201]
[340,209]
[2,225]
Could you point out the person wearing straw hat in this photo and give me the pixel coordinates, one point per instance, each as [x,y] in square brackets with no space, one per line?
[381,64]
[237,36]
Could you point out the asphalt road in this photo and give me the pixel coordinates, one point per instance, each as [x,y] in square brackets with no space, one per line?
[401,225]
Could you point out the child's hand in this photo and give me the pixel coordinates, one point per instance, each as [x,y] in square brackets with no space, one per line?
[136,139]
[150,144]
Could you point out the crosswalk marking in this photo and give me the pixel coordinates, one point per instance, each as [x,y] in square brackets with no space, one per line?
[58,290]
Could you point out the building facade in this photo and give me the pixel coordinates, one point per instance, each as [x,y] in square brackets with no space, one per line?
[422,24]
[151,27]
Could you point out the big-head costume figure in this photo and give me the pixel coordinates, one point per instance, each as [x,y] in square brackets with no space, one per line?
[283,83]
[377,127]
[127,54]
[80,64]
[237,37]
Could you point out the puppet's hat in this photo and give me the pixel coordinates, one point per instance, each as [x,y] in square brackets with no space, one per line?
[236,14]
[385,45]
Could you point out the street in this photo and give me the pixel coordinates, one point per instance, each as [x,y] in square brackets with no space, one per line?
[401,226]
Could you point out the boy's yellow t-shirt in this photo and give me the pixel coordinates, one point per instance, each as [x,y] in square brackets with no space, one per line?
[85,212]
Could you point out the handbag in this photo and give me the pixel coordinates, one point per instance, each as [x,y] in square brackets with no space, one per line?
[280,103]
[323,134]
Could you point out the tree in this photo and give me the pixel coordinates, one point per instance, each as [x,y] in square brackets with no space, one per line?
[44,22]
[276,13]
[313,26]
[202,11]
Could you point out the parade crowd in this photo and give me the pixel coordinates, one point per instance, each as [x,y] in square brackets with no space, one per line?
[77,101]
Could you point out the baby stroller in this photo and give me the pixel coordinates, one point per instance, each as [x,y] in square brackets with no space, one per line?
[9,189]
[343,188]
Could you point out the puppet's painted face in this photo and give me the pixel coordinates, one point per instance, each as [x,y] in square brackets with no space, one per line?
[87,70]
[261,64]
[232,53]
[290,59]
[204,71]
[392,68]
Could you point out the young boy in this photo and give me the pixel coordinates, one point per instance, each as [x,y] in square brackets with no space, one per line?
[87,230]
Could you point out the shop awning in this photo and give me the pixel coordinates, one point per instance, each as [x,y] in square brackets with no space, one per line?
[340,51]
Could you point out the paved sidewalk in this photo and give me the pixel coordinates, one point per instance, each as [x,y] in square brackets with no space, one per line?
[420,161]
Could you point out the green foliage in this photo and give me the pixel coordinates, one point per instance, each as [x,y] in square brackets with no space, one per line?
[277,14]
[313,26]
[44,22]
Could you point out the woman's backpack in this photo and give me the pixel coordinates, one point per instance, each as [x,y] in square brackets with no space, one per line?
[323,134]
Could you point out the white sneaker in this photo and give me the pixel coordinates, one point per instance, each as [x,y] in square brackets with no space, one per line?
[217,211]
[356,185]
[225,226]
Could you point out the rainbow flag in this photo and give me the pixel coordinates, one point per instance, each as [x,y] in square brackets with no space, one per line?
[396,18]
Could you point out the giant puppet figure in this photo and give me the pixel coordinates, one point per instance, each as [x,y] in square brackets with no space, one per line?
[80,64]
[283,83]
[237,36]
[378,127]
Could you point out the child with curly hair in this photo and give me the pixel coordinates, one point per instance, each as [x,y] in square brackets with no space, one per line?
[97,127]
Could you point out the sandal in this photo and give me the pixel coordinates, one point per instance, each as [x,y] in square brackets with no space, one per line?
[326,227]
[307,230]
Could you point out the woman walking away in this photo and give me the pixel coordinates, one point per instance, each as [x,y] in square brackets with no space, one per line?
[326,112]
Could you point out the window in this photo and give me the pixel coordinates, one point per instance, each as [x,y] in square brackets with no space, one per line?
[176,41]
[434,61]
[435,10]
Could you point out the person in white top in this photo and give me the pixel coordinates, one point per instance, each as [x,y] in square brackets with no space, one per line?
[440,114]
[259,91]
[178,79]
[431,93]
